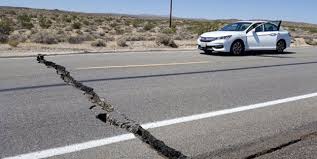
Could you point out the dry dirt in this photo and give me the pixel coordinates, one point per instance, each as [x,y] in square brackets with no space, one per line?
[27,31]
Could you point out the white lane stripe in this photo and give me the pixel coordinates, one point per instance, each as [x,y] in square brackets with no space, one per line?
[144,65]
[73,148]
[125,137]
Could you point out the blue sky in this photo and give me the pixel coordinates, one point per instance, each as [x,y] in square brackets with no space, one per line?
[293,10]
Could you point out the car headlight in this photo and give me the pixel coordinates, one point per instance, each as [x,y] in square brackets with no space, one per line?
[224,37]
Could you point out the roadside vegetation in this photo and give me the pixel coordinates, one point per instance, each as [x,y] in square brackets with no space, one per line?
[24,26]
[311,41]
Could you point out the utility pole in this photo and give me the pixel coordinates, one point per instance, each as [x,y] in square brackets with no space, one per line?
[171,8]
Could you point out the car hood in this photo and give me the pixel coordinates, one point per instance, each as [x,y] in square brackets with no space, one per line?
[216,34]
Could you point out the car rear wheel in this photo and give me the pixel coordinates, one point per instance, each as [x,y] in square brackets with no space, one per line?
[237,48]
[280,46]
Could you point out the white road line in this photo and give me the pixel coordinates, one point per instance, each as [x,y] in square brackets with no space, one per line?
[144,65]
[115,139]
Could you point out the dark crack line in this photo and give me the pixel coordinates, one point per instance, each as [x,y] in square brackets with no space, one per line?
[112,116]
[271,150]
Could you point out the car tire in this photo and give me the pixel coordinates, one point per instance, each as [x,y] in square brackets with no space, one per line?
[207,51]
[237,48]
[280,46]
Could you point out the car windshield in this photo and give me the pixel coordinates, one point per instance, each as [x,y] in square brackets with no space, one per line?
[240,26]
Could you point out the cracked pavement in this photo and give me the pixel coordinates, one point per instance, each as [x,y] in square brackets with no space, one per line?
[39,112]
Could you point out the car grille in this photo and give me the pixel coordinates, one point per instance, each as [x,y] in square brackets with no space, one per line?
[207,39]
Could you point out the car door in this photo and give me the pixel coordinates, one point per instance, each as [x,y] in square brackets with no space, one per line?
[253,40]
[263,37]
[269,36]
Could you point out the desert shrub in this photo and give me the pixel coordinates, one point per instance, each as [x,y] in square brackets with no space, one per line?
[137,22]
[113,24]
[180,37]
[119,30]
[11,12]
[6,26]
[45,37]
[134,37]
[108,38]
[202,27]
[290,28]
[78,39]
[102,33]
[310,41]
[13,43]
[24,18]
[148,26]
[112,32]
[86,22]
[68,28]
[3,38]
[18,37]
[182,34]
[93,28]
[86,30]
[44,22]
[312,29]
[122,42]
[55,17]
[75,39]
[25,21]
[169,30]
[106,28]
[67,19]
[99,43]
[87,37]
[74,17]
[165,40]
[150,38]
[79,32]
[99,21]
[118,20]
[76,25]
[109,18]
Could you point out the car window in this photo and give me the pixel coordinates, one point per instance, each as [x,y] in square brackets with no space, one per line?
[276,23]
[270,27]
[240,26]
[259,28]
[253,26]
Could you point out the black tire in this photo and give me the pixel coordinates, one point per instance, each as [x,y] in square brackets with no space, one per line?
[207,51]
[280,46]
[237,48]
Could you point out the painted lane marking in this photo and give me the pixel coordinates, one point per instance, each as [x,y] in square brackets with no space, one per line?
[124,137]
[144,65]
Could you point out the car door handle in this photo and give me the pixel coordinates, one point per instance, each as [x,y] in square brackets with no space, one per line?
[273,34]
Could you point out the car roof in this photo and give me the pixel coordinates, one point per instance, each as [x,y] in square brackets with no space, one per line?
[253,21]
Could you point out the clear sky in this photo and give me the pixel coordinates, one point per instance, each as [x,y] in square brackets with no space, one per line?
[292,10]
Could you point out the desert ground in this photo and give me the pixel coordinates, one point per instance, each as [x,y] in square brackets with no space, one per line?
[30,31]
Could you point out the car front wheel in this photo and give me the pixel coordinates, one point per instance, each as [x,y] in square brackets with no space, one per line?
[237,48]
[208,51]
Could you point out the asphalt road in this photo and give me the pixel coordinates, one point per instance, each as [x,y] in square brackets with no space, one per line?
[38,112]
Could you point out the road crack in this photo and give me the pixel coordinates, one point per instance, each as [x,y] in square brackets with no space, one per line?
[113,116]
[281,146]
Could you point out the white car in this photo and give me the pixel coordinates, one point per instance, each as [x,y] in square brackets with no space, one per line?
[245,36]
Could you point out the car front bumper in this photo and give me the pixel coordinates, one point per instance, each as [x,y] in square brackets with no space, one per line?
[216,45]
